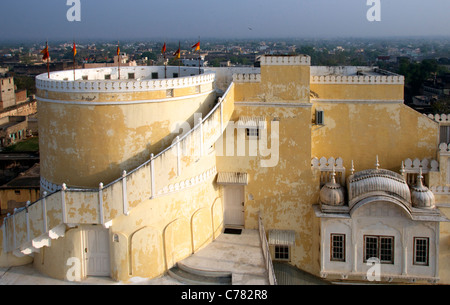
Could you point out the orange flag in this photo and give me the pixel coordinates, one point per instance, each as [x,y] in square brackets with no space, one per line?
[74,49]
[45,53]
[196,46]
[118,50]
[163,50]
[177,54]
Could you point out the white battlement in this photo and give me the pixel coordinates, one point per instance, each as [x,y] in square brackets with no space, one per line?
[273,60]
[93,80]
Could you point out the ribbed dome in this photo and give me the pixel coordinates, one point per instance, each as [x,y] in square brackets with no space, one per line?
[377,181]
[421,196]
[332,193]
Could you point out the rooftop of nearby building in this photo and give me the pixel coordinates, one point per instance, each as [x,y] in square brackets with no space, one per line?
[349,71]
[135,73]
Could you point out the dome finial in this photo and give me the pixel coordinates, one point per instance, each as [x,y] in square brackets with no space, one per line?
[333,176]
[421,196]
[377,164]
[419,178]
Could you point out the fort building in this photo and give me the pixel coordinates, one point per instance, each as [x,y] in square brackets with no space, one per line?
[146,166]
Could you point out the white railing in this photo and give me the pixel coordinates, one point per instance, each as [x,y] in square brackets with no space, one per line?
[440,118]
[124,85]
[358,79]
[266,253]
[327,166]
[247,77]
[33,226]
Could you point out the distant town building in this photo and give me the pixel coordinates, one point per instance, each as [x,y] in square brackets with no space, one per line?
[7,92]
[440,86]
[124,62]
[194,62]
[24,188]
[12,129]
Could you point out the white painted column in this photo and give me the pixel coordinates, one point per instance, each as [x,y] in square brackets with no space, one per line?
[436,251]
[100,203]
[322,248]
[14,230]
[63,203]
[124,194]
[405,261]
[201,136]
[27,217]
[405,240]
[221,114]
[152,175]
[44,212]
[355,246]
[178,157]
[5,236]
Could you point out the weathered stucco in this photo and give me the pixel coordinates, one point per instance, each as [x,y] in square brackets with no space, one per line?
[172,207]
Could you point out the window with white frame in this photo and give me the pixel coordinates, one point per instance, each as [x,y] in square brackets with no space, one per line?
[421,250]
[337,247]
[381,247]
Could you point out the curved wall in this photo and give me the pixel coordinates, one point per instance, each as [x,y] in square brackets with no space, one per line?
[91,130]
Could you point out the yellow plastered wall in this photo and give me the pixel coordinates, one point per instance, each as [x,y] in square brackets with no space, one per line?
[357,92]
[162,231]
[83,145]
[156,234]
[287,83]
[53,261]
[282,193]
[360,131]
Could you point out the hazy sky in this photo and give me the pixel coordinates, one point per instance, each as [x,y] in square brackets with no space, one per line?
[174,19]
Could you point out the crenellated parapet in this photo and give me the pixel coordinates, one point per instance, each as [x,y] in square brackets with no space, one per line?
[247,77]
[327,167]
[273,60]
[94,82]
[440,118]
[358,79]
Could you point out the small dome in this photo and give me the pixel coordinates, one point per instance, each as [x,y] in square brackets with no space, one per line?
[421,196]
[332,193]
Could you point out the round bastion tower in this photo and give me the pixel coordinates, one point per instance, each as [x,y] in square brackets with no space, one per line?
[95,126]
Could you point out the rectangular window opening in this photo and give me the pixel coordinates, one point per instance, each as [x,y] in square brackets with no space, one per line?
[421,250]
[282,253]
[337,247]
[252,132]
[381,247]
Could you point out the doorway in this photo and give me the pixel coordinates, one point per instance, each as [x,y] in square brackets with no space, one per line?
[96,251]
[234,205]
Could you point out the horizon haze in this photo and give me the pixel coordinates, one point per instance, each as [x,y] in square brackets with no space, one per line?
[28,20]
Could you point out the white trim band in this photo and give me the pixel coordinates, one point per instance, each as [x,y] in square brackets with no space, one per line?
[170,99]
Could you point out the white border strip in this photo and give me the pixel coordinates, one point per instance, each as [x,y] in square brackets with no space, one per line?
[280,104]
[357,101]
[170,99]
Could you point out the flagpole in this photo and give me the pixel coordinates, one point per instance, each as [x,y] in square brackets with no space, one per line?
[199,50]
[48,62]
[73,51]
[179,59]
[118,58]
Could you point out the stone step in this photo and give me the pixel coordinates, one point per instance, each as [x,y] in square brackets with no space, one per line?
[192,276]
